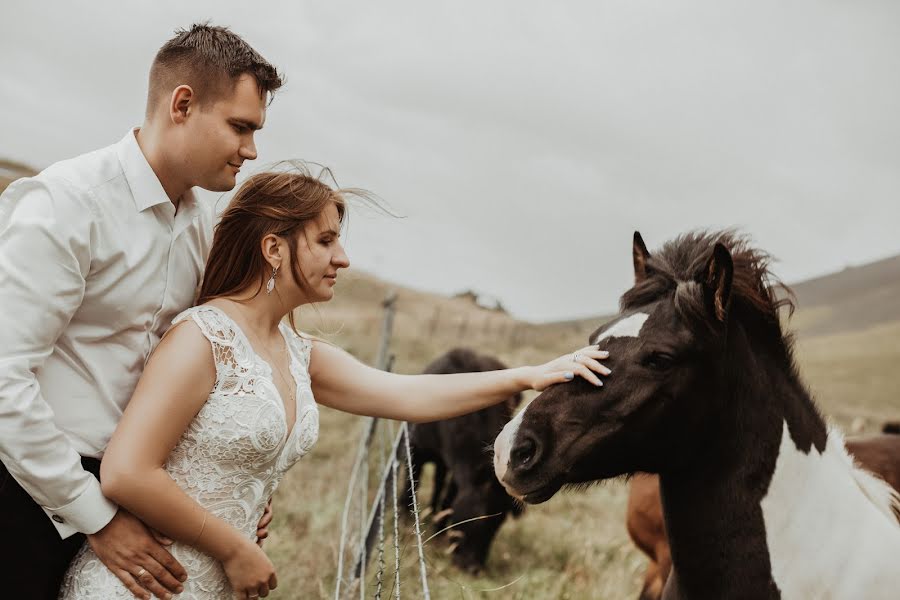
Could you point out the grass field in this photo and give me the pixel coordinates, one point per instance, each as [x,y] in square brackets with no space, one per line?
[574,546]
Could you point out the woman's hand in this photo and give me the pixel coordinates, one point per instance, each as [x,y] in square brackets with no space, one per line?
[250,572]
[584,362]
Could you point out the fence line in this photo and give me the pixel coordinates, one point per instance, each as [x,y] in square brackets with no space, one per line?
[372,518]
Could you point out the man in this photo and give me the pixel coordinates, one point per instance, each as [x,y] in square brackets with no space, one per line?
[97,255]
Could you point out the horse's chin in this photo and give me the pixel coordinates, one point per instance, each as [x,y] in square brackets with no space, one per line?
[537,495]
[541,495]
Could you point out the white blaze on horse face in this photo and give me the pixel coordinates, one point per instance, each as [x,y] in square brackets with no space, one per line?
[503,445]
[828,525]
[630,326]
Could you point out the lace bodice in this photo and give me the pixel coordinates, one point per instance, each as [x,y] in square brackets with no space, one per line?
[232,455]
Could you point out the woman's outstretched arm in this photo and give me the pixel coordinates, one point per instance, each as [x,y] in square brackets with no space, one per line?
[174,386]
[342,382]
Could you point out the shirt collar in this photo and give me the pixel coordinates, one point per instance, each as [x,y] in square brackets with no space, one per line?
[146,189]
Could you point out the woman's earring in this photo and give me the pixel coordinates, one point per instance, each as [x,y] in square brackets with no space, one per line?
[270,285]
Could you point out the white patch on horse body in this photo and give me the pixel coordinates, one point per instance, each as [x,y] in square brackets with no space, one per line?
[503,445]
[829,527]
[630,326]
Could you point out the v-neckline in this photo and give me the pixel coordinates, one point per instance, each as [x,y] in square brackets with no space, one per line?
[291,358]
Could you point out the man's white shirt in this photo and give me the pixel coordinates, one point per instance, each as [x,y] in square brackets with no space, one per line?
[94,264]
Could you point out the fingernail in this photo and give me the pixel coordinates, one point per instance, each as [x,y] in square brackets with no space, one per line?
[599,383]
[182,578]
[569,375]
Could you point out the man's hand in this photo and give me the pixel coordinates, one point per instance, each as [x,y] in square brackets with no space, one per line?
[130,551]
[262,528]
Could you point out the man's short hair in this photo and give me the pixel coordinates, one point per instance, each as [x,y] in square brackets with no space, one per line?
[210,59]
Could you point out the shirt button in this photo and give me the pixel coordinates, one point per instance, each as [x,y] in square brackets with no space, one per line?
[58,519]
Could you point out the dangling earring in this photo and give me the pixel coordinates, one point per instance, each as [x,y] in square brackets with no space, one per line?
[270,285]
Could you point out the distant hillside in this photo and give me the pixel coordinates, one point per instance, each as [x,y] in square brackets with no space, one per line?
[852,299]
[855,298]
[11,170]
[425,325]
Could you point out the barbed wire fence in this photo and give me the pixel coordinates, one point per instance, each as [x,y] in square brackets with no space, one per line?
[395,448]
[373,527]
[475,326]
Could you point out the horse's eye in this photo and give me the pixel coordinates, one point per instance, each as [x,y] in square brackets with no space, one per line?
[658,361]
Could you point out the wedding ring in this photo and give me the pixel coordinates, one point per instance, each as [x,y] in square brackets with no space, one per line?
[141,572]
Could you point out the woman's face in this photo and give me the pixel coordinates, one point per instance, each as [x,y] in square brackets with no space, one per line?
[320,255]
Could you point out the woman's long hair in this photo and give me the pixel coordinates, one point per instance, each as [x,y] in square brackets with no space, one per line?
[272,202]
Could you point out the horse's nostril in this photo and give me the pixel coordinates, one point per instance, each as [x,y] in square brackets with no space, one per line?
[523,452]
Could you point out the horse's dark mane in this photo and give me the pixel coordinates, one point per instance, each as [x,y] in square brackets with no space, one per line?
[679,267]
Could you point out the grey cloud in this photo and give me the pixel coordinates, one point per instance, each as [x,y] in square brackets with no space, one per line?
[525,141]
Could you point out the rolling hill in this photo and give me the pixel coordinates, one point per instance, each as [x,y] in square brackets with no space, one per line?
[856,298]
[853,299]
[11,170]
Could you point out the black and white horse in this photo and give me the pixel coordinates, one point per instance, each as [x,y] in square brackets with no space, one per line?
[761,499]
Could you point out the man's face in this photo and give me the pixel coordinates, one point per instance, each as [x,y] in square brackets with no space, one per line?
[219,137]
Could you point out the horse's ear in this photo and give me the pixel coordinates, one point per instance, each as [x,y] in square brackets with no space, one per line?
[717,284]
[640,255]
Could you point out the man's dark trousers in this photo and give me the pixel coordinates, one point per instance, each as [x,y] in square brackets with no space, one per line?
[33,558]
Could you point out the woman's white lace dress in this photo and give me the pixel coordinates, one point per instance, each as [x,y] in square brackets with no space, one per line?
[230,459]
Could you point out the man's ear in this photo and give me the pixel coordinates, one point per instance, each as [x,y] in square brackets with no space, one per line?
[181,103]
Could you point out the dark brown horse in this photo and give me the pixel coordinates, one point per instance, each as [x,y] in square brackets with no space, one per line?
[879,454]
[760,498]
[465,495]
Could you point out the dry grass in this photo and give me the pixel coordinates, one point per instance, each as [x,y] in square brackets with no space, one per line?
[575,546]
[854,376]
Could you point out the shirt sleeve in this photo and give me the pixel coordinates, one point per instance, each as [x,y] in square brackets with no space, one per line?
[45,253]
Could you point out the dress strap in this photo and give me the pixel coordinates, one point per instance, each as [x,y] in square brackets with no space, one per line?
[233,360]
[215,325]
[301,346]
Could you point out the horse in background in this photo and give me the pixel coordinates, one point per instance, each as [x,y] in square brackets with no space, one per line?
[760,498]
[464,485]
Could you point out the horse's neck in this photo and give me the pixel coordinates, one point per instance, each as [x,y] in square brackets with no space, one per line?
[716,528]
[713,507]
[794,519]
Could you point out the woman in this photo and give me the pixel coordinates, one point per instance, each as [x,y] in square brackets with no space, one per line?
[226,402]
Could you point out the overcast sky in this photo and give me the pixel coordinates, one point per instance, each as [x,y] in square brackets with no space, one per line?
[525,141]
